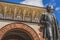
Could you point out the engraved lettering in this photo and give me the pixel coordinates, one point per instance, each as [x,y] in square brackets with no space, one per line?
[1,11]
[19,14]
[28,16]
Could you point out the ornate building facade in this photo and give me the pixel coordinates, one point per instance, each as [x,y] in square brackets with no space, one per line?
[20,22]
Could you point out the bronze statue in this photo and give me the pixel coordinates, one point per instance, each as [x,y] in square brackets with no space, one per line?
[49,23]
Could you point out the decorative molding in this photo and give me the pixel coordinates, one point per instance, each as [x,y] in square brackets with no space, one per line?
[20,12]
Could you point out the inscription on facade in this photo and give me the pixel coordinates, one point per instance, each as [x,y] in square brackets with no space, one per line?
[15,12]
[1,11]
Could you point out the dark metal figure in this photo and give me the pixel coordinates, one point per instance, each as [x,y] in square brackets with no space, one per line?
[49,23]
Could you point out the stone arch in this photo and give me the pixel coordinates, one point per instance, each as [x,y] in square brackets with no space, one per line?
[20,26]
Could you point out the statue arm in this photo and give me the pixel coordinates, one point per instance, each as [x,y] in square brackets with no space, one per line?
[44,19]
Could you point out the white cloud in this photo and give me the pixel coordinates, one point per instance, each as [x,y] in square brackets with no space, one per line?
[33,2]
[58,8]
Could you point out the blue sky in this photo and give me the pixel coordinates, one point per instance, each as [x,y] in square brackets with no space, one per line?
[55,3]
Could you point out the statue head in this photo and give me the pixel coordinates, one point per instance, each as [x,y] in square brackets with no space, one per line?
[50,8]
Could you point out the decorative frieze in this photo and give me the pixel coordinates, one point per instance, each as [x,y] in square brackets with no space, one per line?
[20,12]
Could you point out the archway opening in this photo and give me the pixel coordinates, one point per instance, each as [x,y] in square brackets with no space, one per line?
[17,34]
